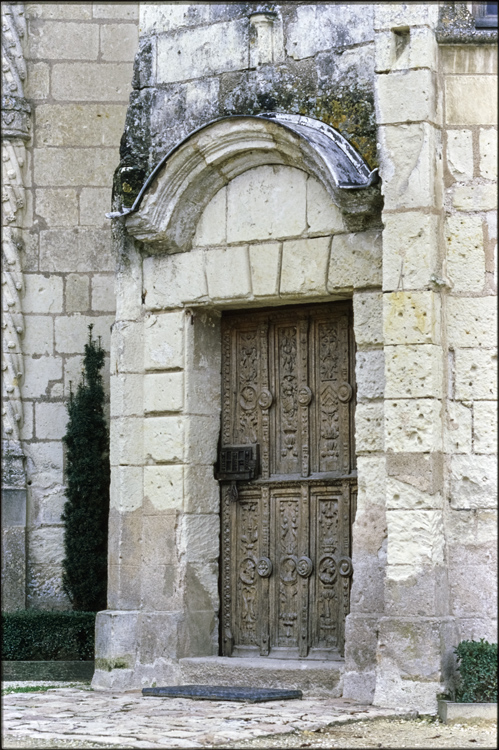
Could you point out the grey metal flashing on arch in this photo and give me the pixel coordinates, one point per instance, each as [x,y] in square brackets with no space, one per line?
[346,167]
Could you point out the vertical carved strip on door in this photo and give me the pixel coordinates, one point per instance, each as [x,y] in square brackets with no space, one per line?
[246,385]
[227,630]
[265,401]
[304,571]
[286,413]
[246,577]
[265,551]
[345,392]
[287,524]
[304,396]
[327,409]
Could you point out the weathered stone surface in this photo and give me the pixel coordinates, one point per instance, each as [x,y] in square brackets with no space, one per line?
[126,492]
[304,266]
[203,359]
[103,293]
[67,167]
[475,373]
[370,375]
[126,395]
[76,250]
[274,200]
[411,318]
[474,591]
[168,18]
[393,16]
[44,587]
[126,441]
[38,374]
[406,96]
[369,436]
[473,482]
[51,11]
[470,100]
[65,41]
[51,420]
[424,471]
[164,487]
[57,207]
[484,427]
[13,568]
[413,425]
[71,332]
[410,250]
[323,216]
[320,27]
[90,81]
[419,50]
[471,322]
[164,392]
[173,280]
[417,595]
[93,204]
[38,335]
[45,545]
[199,537]
[465,252]
[119,11]
[368,318]
[459,153]
[42,294]
[469,59]
[413,371]
[228,272]
[403,496]
[204,50]
[202,434]
[201,490]
[488,153]
[212,226]
[457,428]
[164,341]
[475,198]
[163,439]
[265,263]
[118,43]
[77,293]
[355,261]
[415,538]
[67,125]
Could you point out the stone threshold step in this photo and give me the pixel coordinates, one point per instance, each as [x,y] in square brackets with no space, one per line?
[313,678]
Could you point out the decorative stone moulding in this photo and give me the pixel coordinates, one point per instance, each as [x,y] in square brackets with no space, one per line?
[167,209]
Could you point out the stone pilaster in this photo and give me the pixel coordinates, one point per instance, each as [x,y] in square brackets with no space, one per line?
[15,133]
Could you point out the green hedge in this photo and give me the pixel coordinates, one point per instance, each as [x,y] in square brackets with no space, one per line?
[477,664]
[30,635]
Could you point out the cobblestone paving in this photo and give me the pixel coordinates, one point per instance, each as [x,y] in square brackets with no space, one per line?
[80,717]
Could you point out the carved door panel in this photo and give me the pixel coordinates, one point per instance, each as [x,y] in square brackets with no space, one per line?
[287,400]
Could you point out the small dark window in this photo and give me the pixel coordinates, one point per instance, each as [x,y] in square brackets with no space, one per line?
[485,15]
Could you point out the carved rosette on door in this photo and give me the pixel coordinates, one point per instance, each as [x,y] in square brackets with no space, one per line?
[287,441]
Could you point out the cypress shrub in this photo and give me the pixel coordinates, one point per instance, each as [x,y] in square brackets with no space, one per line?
[33,635]
[87,479]
[477,664]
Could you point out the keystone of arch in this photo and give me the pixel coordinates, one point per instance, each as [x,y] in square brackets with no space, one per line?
[167,210]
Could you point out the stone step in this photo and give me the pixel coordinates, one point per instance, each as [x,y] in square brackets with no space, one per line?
[313,678]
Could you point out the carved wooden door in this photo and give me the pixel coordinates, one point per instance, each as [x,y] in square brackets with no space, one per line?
[287,410]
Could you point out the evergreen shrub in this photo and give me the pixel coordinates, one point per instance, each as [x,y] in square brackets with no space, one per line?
[87,488]
[32,635]
[477,664]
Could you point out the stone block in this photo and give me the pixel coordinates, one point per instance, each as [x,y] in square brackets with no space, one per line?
[485,427]
[371,481]
[123,591]
[118,42]
[406,96]
[318,27]
[90,82]
[323,215]
[413,371]
[367,593]
[488,154]
[159,530]
[199,537]
[228,272]
[457,428]
[202,434]
[304,266]
[360,643]
[128,285]
[127,436]
[370,374]
[369,534]
[119,11]
[103,298]
[64,41]
[127,347]
[163,18]
[423,471]
[38,335]
[274,200]
[368,318]
[61,11]
[369,434]
[474,591]
[475,198]
[73,167]
[403,496]
[159,591]
[126,490]
[174,280]
[42,294]
[71,332]
[404,14]
[265,263]
[417,595]
[164,488]
[203,357]
[46,505]
[471,322]
[164,392]
[405,49]
[80,125]
[475,374]
[44,587]
[212,226]
[201,490]
[164,439]
[164,341]
[45,464]
[469,59]
[359,686]
[465,252]
[57,207]
[407,159]
[355,261]
[205,50]
[76,250]
[459,154]
[39,374]
[50,420]
[413,425]
[27,424]
[125,546]
[411,318]
[46,545]
[94,202]
[473,482]
[13,569]
[415,539]
[37,82]
[126,395]
[410,250]
[470,100]
[77,293]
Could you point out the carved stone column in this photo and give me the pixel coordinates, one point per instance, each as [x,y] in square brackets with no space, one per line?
[15,133]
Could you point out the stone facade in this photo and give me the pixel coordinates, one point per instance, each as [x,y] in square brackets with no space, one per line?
[217,207]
